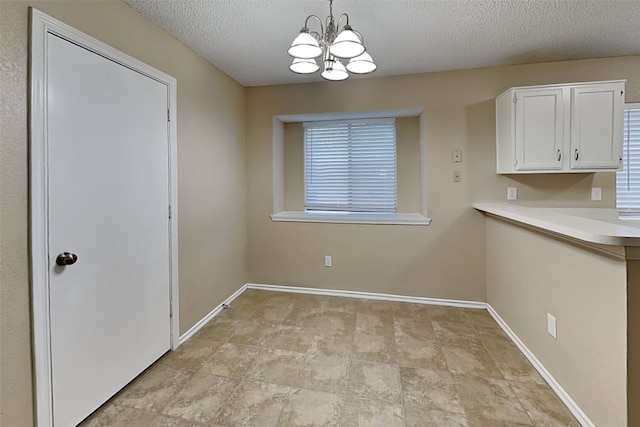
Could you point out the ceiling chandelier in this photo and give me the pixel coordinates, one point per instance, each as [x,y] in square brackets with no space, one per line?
[333,45]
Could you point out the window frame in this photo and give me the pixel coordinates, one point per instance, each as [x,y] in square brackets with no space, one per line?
[420,218]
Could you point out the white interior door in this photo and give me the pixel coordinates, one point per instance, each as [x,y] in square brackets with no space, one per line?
[108,187]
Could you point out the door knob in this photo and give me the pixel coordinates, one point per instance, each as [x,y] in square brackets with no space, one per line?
[66,258]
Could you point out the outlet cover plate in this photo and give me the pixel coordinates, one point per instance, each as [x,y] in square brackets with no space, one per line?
[551,326]
[512,193]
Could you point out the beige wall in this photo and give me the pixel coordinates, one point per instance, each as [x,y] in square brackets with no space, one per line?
[212,224]
[529,275]
[407,158]
[633,341]
[447,258]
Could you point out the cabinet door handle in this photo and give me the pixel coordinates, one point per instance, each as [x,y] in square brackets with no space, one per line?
[559,155]
[577,155]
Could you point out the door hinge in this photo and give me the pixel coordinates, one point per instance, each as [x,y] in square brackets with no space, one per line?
[170,310]
[169,211]
[168,115]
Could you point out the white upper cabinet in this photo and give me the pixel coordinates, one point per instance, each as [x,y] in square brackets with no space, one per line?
[560,128]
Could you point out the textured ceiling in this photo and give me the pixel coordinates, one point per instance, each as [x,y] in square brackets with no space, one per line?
[248,39]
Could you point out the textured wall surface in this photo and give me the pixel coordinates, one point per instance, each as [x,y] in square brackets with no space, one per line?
[447,258]
[15,355]
[212,225]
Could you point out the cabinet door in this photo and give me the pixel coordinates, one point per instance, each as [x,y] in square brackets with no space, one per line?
[596,126]
[538,129]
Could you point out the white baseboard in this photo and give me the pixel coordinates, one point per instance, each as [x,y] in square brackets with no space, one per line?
[553,383]
[195,328]
[369,295]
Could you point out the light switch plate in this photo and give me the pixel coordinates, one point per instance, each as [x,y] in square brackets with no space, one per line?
[456,156]
[457,176]
[596,194]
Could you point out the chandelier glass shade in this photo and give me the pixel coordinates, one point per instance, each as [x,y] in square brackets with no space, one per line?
[305,46]
[334,70]
[362,64]
[304,66]
[333,45]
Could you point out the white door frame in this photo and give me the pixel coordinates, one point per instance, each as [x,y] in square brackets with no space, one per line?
[41,26]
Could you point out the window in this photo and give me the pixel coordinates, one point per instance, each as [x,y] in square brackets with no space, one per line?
[628,180]
[400,183]
[350,166]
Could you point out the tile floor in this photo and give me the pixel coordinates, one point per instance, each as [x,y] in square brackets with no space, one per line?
[281,359]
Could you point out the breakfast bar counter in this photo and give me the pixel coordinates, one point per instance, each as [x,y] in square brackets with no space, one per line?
[592,225]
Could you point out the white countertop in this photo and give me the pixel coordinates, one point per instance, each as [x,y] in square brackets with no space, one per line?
[594,225]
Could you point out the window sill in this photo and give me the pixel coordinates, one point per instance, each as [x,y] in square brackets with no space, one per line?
[352,218]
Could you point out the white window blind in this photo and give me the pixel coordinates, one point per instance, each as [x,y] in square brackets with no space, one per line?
[628,180]
[350,166]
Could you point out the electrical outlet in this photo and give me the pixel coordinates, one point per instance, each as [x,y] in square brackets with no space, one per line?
[596,194]
[551,326]
[457,176]
[512,193]
[327,261]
